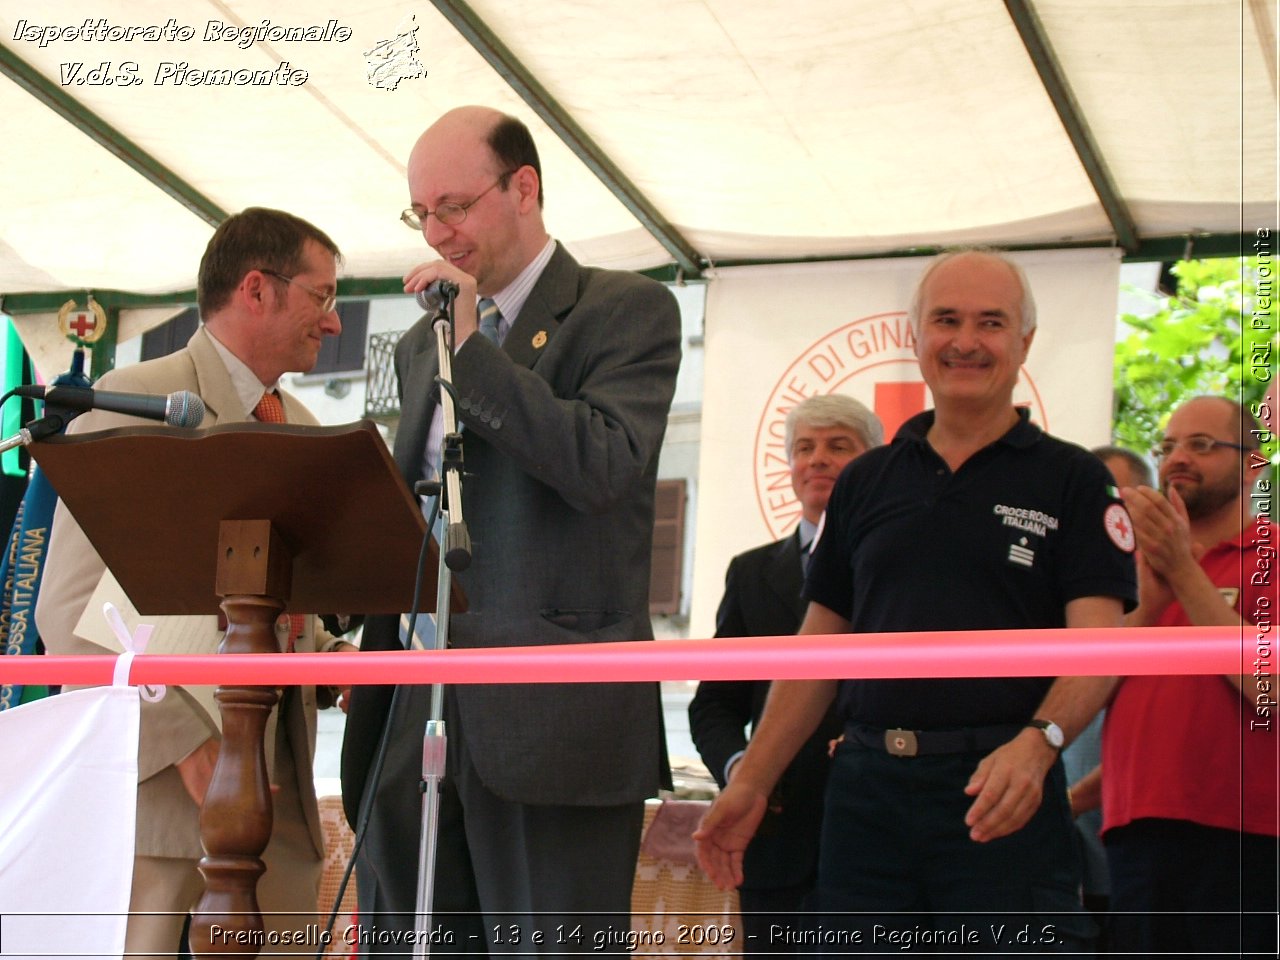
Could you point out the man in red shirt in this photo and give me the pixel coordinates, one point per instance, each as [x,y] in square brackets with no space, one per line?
[1189,763]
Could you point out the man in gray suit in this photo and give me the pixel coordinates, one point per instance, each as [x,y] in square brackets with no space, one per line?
[564,411]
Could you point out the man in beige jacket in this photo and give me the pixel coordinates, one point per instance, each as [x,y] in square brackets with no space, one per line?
[266,292]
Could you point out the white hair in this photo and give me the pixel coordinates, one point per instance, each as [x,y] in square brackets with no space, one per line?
[1028,301]
[835,410]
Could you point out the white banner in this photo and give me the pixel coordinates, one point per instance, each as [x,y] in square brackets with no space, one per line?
[778,334]
[67,823]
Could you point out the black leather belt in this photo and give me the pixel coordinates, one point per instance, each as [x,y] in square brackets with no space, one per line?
[925,743]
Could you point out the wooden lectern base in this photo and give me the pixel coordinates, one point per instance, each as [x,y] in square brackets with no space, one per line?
[342,532]
[235,821]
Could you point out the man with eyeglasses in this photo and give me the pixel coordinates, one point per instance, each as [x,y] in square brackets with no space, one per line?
[266,289]
[564,377]
[1189,763]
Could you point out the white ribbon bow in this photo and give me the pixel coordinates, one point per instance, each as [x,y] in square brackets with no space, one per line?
[133,645]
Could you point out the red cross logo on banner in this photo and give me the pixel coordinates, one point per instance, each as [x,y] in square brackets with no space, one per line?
[896,403]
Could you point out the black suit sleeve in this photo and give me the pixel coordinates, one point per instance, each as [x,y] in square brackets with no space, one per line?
[721,710]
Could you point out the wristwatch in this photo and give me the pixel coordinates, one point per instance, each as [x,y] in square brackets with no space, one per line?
[1052,732]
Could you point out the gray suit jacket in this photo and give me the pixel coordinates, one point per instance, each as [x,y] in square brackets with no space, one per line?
[168,822]
[563,428]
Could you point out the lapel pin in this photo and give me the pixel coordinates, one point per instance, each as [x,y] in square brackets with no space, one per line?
[539,340]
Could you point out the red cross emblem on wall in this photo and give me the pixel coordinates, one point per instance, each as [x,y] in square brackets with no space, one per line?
[86,325]
[82,323]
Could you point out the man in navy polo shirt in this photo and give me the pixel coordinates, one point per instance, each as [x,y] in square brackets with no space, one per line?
[947,820]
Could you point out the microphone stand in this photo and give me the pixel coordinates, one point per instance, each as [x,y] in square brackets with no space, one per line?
[455,555]
[36,430]
[55,415]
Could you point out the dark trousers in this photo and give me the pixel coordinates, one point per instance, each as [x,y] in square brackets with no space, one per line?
[1180,887]
[510,878]
[898,871]
[768,916]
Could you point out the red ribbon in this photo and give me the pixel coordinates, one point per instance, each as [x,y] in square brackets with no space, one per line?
[1006,653]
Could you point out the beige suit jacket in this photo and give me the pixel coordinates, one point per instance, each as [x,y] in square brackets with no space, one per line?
[168,820]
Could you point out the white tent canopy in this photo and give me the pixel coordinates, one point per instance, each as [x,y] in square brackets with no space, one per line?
[741,129]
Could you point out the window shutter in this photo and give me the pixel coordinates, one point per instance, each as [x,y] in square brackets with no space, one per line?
[666,568]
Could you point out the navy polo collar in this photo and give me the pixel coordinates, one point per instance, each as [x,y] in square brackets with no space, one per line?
[1021,435]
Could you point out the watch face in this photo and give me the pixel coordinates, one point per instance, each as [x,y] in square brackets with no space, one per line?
[1052,733]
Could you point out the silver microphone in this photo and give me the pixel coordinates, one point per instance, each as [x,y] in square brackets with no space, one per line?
[437,295]
[181,409]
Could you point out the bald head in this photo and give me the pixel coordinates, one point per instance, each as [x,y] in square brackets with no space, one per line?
[959,259]
[1237,423]
[460,124]
[509,141]
[1127,468]
[1213,482]
[485,162]
[464,128]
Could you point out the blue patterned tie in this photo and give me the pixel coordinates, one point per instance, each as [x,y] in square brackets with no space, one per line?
[489,319]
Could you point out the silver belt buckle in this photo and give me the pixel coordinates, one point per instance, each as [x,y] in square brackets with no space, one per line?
[900,743]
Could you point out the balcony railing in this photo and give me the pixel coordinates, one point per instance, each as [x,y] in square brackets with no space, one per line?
[382,399]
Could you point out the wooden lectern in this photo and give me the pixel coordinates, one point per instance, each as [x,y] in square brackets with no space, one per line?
[256,519]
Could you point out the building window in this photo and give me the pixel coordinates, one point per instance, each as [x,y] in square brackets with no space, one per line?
[345,352]
[667,562]
[171,336]
[341,354]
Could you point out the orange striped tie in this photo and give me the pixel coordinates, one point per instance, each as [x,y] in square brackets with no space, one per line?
[271,410]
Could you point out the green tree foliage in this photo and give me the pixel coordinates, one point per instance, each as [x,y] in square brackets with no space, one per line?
[1201,341]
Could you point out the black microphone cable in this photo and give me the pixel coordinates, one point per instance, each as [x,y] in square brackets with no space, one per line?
[375,770]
